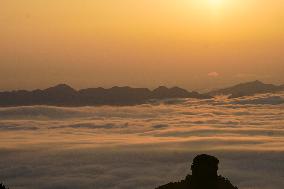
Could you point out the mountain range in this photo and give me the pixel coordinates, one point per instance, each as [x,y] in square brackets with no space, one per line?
[247,89]
[64,95]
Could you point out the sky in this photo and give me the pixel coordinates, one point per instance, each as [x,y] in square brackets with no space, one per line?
[195,44]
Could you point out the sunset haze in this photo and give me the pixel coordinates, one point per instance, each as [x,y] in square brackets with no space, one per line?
[142,43]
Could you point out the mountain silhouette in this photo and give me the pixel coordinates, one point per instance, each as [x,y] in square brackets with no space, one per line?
[176,92]
[61,88]
[204,176]
[64,95]
[247,89]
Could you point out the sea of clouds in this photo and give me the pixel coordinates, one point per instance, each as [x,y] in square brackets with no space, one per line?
[144,146]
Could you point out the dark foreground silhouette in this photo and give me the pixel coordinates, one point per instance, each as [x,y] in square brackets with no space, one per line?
[204,176]
[2,186]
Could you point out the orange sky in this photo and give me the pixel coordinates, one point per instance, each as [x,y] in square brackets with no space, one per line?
[195,44]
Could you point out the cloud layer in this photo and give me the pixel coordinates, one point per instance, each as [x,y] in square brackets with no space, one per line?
[142,146]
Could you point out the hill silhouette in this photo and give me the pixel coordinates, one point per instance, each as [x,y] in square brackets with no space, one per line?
[247,89]
[64,95]
[204,176]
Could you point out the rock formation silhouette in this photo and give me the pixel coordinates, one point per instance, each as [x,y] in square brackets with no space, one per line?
[2,186]
[204,176]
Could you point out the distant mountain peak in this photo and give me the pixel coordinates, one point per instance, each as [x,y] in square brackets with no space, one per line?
[60,88]
[62,85]
[161,88]
[256,82]
[247,89]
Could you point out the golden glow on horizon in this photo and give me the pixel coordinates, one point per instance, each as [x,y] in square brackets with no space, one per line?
[215,3]
[83,41]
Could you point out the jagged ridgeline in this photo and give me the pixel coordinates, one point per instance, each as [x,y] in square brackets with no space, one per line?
[64,95]
[247,89]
